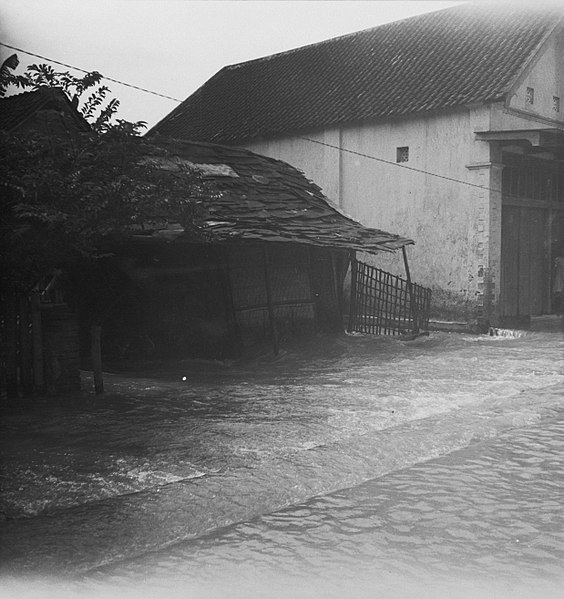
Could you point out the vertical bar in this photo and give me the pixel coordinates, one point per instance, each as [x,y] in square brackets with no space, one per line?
[372,310]
[353,300]
[310,266]
[25,346]
[387,303]
[377,301]
[361,298]
[367,298]
[37,342]
[12,346]
[381,303]
[410,289]
[396,288]
[96,354]
[271,317]
[362,322]
[233,332]
[549,219]
[336,289]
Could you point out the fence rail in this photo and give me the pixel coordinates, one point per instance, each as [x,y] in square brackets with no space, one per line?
[38,346]
[385,304]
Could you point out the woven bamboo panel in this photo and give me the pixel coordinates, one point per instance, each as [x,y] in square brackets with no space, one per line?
[384,304]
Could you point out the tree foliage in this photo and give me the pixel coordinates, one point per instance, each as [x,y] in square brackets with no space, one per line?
[86,93]
[72,195]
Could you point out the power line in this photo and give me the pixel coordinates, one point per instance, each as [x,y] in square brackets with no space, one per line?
[315,141]
[68,66]
[418,170]
[411,168]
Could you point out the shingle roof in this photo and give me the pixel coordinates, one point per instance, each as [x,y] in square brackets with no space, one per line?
[466,54]
[262,199]
[16,109]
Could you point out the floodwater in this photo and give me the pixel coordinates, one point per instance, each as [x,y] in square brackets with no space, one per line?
[370,467]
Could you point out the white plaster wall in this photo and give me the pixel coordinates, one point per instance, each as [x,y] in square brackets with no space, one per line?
[456,227]
[448,220]
[320,163]
[546,76]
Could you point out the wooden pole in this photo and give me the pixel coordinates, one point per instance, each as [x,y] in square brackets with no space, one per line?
[313,297]
[352,306]
[25,346]
[37,342]
[96,355]
[549,257]
[12,346]
[414,314]
[271,318]
[233,332]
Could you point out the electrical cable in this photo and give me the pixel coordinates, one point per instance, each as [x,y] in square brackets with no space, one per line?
[341,149]
[411,168]
[68,66]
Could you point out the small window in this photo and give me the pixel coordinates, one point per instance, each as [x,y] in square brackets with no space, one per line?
[556,103]
[402,154]
[530,95]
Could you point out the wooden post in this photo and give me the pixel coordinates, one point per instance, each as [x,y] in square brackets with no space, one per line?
[268,284]
[96,355]
[37,342]
[352,307]
[25,346]
[549,257]
[414,312]
[234,334]
[336,289]
[12,346]
[313,297]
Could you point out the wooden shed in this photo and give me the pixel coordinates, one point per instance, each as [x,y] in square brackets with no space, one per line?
[270,262]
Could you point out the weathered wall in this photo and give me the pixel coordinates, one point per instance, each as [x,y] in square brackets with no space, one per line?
[448,219]
[545,75]
[304,294]
[212,301]
[289,286]
[455,220]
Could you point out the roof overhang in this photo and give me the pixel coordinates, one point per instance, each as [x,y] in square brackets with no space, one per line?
[545,139]
[229,232]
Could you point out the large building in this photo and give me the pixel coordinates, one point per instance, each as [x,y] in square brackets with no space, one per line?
[447,128]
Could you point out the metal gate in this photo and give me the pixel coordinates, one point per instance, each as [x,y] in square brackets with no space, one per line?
[385,304]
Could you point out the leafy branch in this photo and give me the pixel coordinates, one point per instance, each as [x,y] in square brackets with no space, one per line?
[70,194]
[96,108]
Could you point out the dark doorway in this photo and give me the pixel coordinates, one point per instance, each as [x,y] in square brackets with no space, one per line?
[531,234]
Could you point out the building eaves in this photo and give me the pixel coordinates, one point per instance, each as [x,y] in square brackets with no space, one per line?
[261,199]
[442,60]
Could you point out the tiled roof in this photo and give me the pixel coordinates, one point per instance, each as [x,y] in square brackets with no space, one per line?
[262,199]
[461,55]
[16,109]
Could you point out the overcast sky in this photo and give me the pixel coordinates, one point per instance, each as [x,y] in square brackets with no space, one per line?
[174,46]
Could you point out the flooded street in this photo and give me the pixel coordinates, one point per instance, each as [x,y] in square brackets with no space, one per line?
[488,518]
[368,467]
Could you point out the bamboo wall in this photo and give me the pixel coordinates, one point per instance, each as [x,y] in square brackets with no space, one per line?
[39,350]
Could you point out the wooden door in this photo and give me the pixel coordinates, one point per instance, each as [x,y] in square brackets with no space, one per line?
[524,261]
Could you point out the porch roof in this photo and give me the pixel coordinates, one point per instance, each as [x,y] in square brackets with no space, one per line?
[546,138]
[261,199]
